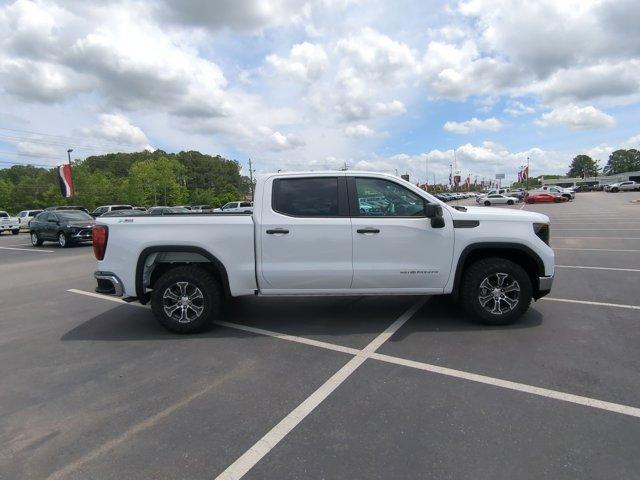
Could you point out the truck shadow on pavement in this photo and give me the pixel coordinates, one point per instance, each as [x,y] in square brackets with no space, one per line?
[341,317]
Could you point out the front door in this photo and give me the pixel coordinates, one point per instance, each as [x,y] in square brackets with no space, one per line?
[305,236]
[394,246]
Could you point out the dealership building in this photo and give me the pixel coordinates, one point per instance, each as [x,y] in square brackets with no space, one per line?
[602,180]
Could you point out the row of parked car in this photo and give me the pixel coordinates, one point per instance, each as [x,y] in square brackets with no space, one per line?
[71,224]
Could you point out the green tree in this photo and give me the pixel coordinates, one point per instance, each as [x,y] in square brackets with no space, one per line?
[622,161]
[6,193]
[155,182]
[583,164]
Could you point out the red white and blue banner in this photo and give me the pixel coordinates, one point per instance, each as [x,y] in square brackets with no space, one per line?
[66,181]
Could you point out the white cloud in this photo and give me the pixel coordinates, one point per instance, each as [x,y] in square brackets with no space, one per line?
[377,56]
[516,109]
[306,61]
[576,118]
[474,125]
[281,142]
[117,128]
[359,131]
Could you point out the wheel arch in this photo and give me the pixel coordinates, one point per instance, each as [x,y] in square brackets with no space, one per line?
[517,253]
[193,255]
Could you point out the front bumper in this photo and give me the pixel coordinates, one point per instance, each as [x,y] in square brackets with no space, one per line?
[544,286]
[84,235]
[108,284]
[9,226]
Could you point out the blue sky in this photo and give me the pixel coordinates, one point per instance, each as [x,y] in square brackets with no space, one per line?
[312,84]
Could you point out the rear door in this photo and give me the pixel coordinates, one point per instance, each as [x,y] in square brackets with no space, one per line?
[305,235]
[394,246]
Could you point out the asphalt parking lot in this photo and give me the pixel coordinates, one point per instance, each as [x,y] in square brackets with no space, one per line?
[356,387]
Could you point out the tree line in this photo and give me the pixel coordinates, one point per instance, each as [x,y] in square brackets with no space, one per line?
[139,178]
[619,161]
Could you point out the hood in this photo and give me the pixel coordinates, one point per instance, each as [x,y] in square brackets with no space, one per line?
[492,213]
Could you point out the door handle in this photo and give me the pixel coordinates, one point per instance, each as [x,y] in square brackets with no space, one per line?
[278,231]
[368,230]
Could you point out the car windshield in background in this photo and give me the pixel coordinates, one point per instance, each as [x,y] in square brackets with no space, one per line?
[179,210]
[73,215]
[4,215]
[121,207]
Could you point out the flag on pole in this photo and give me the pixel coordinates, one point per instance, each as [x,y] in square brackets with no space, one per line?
[450,180]
[66,181]
[525,172]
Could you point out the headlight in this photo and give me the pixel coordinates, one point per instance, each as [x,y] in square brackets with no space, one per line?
[542,230]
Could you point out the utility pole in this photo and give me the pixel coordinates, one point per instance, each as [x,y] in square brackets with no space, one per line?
[251,177]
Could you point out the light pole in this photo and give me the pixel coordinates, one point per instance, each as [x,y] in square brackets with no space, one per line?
[69,154]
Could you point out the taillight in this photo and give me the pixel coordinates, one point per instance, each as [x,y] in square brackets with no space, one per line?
[542,231]
[100,235]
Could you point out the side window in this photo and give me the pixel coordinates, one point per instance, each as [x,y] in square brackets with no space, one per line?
[306,197]
[383,198]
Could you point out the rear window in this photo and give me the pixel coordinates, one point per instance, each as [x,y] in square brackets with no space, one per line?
[306,197]
[245,204]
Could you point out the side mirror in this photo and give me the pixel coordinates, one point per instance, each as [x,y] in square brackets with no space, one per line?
[434,212]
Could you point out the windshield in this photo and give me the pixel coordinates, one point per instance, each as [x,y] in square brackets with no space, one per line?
[4,214]
[73,215]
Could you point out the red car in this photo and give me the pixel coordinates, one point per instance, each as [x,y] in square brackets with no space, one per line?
[541,197]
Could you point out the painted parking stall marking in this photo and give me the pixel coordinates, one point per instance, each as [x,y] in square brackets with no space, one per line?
[369,352]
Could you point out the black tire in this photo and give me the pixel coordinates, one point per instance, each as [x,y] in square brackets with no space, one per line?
[615,190]
[210,302]
[15,232]
[63,240]
[509,202]
[36,241]
[471,290]
[556,200]
[487,203]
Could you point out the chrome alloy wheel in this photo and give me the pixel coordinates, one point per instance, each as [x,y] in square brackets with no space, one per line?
[34,239]
[183,302]
[62,239]
[499,293]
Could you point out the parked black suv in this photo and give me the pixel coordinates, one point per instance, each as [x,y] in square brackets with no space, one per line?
[63,226]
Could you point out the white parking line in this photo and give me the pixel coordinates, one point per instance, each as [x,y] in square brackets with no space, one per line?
[600,268]
[521,387]
[586,302]
[263,446]
[596,249]
[627,410]
[252,456]
[27,249]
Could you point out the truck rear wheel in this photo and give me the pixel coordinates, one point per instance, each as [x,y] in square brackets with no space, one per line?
[496,291]
[186,299]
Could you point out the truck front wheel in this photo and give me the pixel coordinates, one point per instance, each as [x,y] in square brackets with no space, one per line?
[496,291]
[186,299]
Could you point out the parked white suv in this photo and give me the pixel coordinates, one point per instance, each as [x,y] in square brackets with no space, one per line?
[236,207]
[308,236]
[25,216]
[9,224]
[627,186]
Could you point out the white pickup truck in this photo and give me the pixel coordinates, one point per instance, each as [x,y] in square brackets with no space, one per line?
[308,235]
[9,224]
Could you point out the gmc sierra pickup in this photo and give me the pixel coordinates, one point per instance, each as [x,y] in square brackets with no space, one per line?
[329,233]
